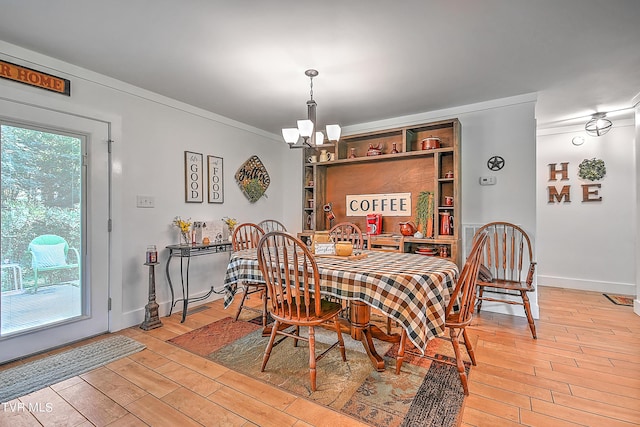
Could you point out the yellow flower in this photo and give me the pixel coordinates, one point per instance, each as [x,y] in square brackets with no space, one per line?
[231,222]
[182,224]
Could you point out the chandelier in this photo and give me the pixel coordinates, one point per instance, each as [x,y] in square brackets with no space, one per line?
[598,125]
[305,129]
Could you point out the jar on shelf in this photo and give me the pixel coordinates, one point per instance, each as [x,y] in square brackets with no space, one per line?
[352,153]
[152,254]
[394,149]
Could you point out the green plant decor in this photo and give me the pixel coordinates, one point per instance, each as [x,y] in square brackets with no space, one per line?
[253,189]
[593,169]
[424,208]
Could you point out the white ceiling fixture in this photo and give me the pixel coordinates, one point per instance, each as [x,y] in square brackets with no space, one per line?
[598,125]
[305,129]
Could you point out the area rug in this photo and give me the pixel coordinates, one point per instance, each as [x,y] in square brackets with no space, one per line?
[427,393]
[31,376]
[620,299]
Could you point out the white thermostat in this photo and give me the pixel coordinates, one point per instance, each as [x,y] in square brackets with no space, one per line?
[487,180]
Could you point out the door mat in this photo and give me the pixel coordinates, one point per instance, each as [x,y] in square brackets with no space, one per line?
[426,393]
[31,376]
[620,299]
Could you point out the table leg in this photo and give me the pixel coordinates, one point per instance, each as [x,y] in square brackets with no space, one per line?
[185,295]
[166,271]
[361,330]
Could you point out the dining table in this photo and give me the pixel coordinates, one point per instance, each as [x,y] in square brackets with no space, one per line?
[411,289]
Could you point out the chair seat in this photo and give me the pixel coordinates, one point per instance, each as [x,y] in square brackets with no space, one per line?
[452,321]
[508,284]
[58,267]
[329,309]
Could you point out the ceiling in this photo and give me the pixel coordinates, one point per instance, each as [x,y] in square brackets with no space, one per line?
[377,59]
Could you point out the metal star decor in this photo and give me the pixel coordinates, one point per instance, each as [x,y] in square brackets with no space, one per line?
[495,163]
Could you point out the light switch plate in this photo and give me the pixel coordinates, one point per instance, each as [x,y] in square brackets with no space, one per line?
[145,201]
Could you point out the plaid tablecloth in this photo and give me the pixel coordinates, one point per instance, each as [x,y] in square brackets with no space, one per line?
[412,289]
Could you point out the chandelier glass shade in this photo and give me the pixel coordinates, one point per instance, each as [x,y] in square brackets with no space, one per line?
[304,135]
[598,125]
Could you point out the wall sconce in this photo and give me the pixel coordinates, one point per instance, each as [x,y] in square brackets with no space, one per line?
[598,125]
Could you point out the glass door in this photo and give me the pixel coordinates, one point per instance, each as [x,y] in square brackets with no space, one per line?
[54,246]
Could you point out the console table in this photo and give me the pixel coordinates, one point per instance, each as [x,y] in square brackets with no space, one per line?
[185,253]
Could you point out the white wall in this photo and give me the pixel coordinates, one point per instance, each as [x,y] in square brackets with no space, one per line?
[504,127]
[588,245]
[636,302]
[151,133]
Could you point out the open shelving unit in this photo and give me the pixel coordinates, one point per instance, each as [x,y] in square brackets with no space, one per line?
[410,170]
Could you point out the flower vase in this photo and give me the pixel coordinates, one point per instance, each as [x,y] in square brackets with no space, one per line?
[185,240]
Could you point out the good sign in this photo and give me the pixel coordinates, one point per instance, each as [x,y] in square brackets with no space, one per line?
[395,204]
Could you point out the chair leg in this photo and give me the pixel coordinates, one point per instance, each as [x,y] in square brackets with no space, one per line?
[459,363]
[480,292]
[467,344]
[340,340]
[35,280]
[265,313]
[527,310]
[400,356]
[244,296]
[312,357]
[297,333]
[267,352]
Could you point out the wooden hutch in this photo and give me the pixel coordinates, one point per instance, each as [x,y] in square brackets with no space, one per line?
[410,170]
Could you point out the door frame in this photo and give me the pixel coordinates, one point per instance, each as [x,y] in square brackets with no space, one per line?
[114,181]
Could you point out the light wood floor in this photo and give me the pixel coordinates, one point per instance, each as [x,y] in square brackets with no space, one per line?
[584,370]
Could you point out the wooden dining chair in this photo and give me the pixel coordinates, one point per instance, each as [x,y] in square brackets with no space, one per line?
[247,236]
[458,315]
[347,231]
[292,279]
[269,225]
[507,267]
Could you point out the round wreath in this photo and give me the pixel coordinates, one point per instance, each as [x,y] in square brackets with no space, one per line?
[593,169]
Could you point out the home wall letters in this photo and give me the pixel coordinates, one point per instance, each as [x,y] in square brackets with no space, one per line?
[590,192]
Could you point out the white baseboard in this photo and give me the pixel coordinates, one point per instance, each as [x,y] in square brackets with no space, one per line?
[136,317]
[587,285]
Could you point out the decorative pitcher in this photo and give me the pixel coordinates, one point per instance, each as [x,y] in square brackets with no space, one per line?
[446,223]
[407,228]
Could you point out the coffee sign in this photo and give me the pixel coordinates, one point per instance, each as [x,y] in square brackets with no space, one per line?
[393,204]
